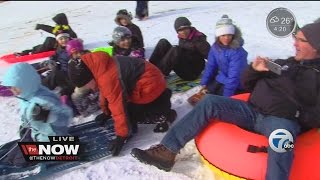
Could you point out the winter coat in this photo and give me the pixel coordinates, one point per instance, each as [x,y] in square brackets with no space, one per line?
[121,80]
[24,77]
[193,52]
[61,23]
[270,92]
[62,58]
[136,32]
[227,63]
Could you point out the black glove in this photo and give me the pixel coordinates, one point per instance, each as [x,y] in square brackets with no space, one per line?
[50,64]
[22,131]
[116,145]
[102,118]
[40,113]
[38,26]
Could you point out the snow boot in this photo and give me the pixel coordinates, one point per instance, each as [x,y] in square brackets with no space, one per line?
[158,156]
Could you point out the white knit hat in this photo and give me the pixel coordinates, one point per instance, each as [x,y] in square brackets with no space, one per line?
[224,26]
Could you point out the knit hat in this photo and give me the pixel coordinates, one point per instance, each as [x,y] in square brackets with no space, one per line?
[62,33]
[311,32]
[79,73]
[119,33]
[181,22]
[74,45]
[224,26]
[123,13]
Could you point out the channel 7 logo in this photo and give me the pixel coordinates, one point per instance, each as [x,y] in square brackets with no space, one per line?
[60,148]
[281,140]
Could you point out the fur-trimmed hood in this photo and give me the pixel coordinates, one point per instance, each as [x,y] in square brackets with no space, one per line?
[237,39]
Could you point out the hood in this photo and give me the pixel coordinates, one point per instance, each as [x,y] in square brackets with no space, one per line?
[237,40]
[120,16]
[97,62]
[61,18]
[24,77]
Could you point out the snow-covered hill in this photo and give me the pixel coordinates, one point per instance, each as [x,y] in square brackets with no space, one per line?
[94,22]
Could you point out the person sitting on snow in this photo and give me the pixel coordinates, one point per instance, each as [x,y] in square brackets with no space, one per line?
[58,66]
[124,18]
[123,44]
[132,90]
[226,61]
[50,42]
[42,113]
[187,59]
[276,102]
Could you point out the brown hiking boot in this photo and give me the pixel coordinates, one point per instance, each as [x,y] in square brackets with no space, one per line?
[158,156]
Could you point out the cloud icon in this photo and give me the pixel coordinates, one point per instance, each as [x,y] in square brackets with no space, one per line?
[274,19]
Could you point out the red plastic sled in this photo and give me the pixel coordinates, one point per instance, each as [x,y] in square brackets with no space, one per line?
[11,58]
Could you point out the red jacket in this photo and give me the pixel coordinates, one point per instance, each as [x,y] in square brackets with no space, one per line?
[112,74]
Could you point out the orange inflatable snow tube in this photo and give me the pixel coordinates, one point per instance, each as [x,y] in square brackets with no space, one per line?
[223,148]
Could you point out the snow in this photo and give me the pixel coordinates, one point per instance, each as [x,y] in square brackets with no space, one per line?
[94,22]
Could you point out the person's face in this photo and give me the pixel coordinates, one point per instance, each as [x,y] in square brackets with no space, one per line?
[16,91]
[76,55]
[125,42]
[184,32]
[304,50]
[63,41]
[225,39]
[123,22]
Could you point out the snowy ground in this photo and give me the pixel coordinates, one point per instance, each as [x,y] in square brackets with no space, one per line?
[94,22]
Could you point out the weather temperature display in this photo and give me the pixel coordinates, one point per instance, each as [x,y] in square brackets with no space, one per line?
[281,22]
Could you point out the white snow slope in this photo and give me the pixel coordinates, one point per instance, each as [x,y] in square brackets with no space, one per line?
[94,22]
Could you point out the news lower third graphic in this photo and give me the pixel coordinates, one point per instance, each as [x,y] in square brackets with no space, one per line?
[281,22]
[281,140]
[60,148]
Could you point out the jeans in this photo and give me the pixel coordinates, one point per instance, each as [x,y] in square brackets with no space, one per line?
[241,114]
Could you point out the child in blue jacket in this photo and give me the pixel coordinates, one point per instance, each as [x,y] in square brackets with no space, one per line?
[42,113]
[226,60]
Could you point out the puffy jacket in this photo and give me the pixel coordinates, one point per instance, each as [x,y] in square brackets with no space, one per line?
[270,92]
[25,77]
[227,63]
[61,56]
[123,80]
[136,32]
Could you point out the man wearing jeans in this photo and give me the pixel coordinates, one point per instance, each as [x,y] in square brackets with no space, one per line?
[270,106]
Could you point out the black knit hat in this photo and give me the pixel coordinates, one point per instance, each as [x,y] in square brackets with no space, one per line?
[79,73]
[312,34]
[181,22]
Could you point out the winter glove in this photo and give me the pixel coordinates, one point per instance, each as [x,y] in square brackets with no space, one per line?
[38,26]
[40,113]
[116,145]
[22,131]
[102,118]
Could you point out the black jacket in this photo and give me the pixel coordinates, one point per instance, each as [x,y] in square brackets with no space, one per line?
[136,32]
[277,95]
[59,19]
[192,54]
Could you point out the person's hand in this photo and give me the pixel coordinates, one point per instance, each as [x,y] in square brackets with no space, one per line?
[22,131]
[116,145]
[259,64]
[38,26]
[204,90]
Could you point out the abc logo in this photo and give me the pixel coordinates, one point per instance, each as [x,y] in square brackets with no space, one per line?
[281,140]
